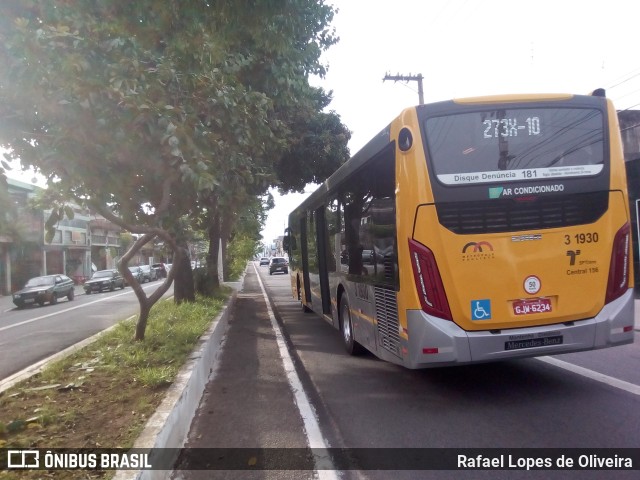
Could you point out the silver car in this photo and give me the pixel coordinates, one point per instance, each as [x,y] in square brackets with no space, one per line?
[148,274]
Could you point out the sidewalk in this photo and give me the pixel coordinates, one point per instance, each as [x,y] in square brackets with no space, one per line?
[247,402]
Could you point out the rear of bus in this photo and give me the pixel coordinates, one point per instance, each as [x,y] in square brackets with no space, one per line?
[520,242]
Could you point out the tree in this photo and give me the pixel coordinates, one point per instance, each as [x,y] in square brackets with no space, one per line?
[142,110]
[281,51]
[110,100]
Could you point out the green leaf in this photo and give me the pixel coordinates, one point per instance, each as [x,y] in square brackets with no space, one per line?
[69,212]
[48,238]
[52,220]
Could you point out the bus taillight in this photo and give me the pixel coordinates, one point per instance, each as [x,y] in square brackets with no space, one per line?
[428,281]
[619,268]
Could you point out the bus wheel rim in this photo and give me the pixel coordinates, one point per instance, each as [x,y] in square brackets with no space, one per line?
[346,325]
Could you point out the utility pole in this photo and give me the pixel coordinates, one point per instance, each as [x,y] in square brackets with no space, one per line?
[408,78]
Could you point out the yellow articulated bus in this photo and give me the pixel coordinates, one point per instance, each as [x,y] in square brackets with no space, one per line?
[474,230]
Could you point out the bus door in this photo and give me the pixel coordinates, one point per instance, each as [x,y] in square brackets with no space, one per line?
[305,258]
[322,236]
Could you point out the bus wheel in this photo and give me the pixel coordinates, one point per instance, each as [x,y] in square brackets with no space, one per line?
[346,327]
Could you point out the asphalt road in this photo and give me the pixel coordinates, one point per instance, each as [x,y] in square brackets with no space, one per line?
[364,403]
[34,333]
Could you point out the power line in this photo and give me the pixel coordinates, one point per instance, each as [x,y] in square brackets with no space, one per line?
[634,73]
[629,108]
[624,81]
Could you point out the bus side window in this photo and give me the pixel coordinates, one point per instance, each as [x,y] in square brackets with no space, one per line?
[368,243]
[334,230]
[289,243]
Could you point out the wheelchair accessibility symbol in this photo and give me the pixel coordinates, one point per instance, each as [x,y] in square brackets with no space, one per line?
[481,309]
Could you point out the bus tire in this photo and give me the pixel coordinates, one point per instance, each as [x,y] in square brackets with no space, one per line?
[346,327]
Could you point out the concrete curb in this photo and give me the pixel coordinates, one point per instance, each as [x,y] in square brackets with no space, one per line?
[169,426]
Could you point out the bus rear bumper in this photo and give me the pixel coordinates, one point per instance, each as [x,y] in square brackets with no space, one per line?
[434,342]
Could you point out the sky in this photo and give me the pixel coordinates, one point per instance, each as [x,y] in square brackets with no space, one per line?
[466,48]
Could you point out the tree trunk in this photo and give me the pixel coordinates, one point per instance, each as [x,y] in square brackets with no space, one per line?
[226,267]
[212,281]
[226,222]
[149,233]
[141,326]
[145,302]
[184,289]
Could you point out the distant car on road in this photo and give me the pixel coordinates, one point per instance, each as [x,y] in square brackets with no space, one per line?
[148,273]
[104,280]
[40,290]
[278,264]
[264,261]
[137,274]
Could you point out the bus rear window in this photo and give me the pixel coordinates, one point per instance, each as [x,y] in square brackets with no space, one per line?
[511,144]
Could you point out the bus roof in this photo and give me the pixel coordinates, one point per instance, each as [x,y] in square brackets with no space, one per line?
[531,97]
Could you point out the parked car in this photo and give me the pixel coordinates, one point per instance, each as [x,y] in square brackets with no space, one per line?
[103,280]
[264,261]
[148,273]
[40,290]
[137,274]
[161,270]
[278,264]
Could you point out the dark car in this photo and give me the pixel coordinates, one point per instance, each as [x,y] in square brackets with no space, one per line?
[40,290]
[278,264]
[104,280]
[148,273]
[161,270]
[264,261]
[137,274]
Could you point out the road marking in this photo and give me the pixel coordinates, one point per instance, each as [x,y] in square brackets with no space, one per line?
[68,309]
[324,465]
[599,377]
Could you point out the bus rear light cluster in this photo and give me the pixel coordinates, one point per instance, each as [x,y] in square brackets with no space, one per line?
[428,281]
[619,268]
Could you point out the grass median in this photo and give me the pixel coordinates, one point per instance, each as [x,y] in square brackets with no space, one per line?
[103,395]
